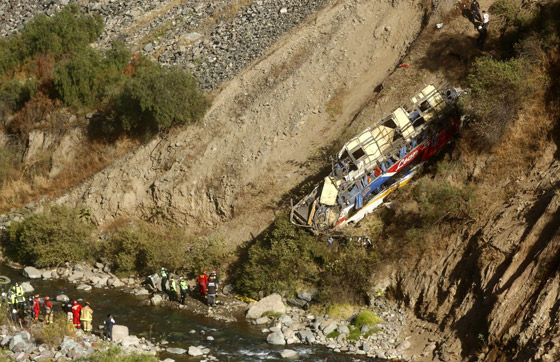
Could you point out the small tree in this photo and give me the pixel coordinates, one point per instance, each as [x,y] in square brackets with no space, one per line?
[156,98]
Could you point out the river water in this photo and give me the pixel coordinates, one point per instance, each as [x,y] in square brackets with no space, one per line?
[239,341]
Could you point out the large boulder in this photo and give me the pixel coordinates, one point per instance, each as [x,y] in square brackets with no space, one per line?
[272,303]
[157,299]
[276,338]
[331,327]
[289,354]
[62,298]
[195,351]
[27,287]
[76,275]
[84,286]
[176,350]
[306,336]
[31,272]
[120,332]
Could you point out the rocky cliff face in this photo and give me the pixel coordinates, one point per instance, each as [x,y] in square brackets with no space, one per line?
[496,283]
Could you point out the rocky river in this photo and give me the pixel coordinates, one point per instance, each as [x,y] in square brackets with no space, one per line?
[170,329]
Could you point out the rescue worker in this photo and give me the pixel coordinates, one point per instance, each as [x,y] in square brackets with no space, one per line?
[76,309]
[36,308]
[109,322]
[203,282]
[475,10]
[184,290]
[173,290]
[212,288]
[86,316]
[164,280]
[48,310]
[18,291]
[68,309]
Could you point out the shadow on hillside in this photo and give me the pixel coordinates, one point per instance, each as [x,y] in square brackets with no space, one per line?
[451,55]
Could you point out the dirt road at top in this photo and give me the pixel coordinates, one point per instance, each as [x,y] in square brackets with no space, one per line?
[266,128]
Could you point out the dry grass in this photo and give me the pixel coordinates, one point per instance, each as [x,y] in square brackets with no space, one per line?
[91,158]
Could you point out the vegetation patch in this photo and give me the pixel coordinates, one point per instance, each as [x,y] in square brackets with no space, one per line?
[49,238]
[366,318]
[340,311]
[53,334]
[271,314]
[286,258]
[145,248]
[333,334]
[115,354]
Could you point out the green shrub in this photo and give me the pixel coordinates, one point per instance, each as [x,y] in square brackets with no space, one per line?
[498,91]
[354,334]
[155,99]
[286,257]
[145,248]
[87,77]
[49,238]
[14,94]
[278,262]
[366,318]
[333,334]
[68,31]
[353,266]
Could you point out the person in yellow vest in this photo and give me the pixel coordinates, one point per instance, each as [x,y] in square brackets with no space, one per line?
[17,291]
[86,317]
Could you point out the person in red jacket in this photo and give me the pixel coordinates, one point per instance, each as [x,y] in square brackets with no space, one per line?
[36,307]
[76,309]
[203,281]
[48,310]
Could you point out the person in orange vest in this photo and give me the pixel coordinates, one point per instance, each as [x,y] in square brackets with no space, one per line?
[76,309]
[36,307]
[48,310]
[86,316]
[203,282]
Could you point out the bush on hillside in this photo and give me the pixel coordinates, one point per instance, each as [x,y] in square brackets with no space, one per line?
[14,94]
[498,91]
[144,248]
[288,258]
[279,262]
[353,266]
[49,238]
[156,98]
[88,77]
[68,31]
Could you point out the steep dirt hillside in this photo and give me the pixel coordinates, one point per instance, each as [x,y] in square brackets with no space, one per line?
[254,145]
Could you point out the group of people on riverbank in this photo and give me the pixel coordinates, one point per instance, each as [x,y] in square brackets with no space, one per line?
[208,285]
[23,310]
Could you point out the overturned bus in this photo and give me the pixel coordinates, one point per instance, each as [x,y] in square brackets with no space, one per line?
[381,159]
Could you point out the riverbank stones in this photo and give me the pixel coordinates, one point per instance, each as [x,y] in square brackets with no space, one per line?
[272,303]
[31,272]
